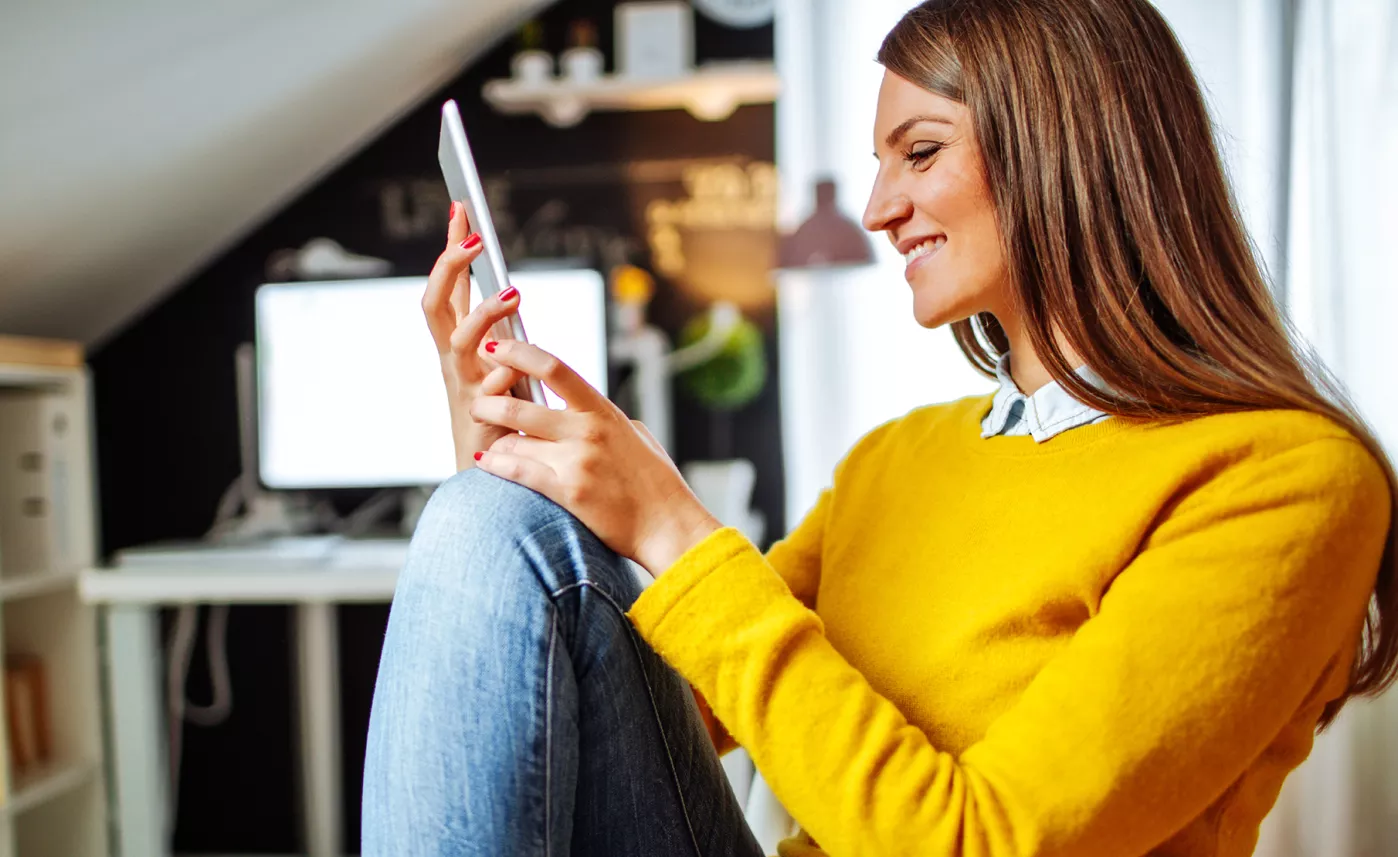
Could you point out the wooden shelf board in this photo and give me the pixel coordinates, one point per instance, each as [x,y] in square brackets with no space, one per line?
[30,351]
[47,782]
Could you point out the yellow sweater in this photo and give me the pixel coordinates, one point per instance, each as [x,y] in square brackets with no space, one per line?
[1117,642]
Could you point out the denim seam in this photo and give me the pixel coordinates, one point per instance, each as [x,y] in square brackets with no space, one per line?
[548,736]
[650,694]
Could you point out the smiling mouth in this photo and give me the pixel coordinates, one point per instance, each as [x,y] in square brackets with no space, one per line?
[924,249]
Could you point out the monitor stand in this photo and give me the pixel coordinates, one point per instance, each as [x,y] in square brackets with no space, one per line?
[248,512]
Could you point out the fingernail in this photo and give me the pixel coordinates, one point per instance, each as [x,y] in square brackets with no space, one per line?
[508,294]
[471,240]
[478,455]
[490,346]
[451,212]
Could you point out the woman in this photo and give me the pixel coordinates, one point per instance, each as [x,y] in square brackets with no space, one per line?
[1101,612]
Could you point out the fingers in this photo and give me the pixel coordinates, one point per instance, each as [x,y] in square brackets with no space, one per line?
[458,226]
[538,363]
[452,265]
[466,338]
[520,415]
[521,470]
[542,451]
[500,381]
[458,230]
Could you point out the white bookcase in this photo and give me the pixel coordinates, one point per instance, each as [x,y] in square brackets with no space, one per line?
[47,535]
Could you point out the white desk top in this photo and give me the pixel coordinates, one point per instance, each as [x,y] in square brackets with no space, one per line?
[288,571]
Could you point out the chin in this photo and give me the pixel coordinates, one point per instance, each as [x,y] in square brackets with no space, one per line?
[932,310]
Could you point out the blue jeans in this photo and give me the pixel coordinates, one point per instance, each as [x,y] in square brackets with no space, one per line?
[518,712]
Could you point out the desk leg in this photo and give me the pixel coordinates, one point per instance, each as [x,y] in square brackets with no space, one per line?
[318,686]
[140,767]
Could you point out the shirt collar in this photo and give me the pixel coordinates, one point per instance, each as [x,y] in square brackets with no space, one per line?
[1049,411]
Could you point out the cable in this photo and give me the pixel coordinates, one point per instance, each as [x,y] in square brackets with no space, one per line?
[369,513]
[181,647]
[181,652]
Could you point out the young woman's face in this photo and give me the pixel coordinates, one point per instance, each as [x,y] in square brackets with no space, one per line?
[932,199]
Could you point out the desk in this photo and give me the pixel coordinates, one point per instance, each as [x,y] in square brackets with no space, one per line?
[313,576]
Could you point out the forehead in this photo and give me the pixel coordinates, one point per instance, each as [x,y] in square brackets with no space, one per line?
[901,100]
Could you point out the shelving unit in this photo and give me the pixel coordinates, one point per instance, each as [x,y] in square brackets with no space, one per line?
[711,92]
[58,807]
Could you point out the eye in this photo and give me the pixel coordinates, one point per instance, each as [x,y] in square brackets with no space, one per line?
[920,155]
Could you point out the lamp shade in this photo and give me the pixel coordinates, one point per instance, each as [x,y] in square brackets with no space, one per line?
[827,238]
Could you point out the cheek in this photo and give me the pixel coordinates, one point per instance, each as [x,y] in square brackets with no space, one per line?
[957,200]
[959,204]
[942,196]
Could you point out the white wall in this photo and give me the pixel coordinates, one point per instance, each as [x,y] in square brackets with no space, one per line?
[1324,224]
[852,356]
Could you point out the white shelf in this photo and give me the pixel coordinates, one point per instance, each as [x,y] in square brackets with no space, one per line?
[34,377]
[711,92]
[36,583]
[46,783]
[58,809]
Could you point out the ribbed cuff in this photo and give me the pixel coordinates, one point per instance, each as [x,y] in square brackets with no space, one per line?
[671,587]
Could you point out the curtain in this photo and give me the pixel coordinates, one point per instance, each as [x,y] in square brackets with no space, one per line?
[1342,294]
[1304,94]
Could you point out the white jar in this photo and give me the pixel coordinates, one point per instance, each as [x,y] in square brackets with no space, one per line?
[532,66]
[582,65]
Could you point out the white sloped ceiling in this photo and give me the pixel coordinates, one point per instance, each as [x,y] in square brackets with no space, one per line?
[139,138]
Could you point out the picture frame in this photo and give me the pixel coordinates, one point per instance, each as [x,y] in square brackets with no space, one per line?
[654,39]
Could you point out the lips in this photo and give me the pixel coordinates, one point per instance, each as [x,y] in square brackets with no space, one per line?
[924,248]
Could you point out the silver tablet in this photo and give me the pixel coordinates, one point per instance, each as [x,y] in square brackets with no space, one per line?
[488,271]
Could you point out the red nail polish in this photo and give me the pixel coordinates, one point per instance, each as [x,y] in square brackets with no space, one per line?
[478,455]
[471,240]
[490,346]
[451,212]
[508,294]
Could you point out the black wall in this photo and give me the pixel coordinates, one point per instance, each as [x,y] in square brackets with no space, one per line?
[164,387]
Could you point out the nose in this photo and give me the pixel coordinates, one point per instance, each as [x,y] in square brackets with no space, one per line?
[886,206]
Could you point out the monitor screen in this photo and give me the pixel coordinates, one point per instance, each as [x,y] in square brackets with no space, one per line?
[350,387]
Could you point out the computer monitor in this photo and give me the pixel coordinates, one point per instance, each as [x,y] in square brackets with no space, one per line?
[349,385]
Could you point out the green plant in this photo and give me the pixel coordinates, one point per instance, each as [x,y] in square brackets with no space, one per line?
[734,376]
[531,36]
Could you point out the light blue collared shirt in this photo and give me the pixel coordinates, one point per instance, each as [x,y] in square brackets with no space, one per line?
[1050,411]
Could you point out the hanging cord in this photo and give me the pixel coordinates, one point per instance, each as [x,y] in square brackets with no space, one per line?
[181,652]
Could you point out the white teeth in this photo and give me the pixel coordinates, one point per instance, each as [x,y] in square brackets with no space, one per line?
[924,248]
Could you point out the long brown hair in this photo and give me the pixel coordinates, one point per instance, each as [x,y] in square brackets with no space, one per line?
[1120,231]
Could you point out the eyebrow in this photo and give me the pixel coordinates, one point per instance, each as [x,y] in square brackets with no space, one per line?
[896,134]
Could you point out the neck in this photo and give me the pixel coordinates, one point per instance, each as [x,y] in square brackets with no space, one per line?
[1025,366]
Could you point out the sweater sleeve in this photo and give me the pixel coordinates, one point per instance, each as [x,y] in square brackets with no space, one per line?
[1204,646]
[796,560]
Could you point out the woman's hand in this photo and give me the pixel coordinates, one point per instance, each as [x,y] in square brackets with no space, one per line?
[605,469]
[460,335]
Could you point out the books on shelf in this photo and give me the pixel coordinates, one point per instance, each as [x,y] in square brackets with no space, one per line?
[27,727]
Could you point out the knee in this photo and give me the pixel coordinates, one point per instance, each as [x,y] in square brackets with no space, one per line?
[465,553]
[475,505]
[475,520]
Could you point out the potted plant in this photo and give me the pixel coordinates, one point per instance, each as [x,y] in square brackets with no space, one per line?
[582,61]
